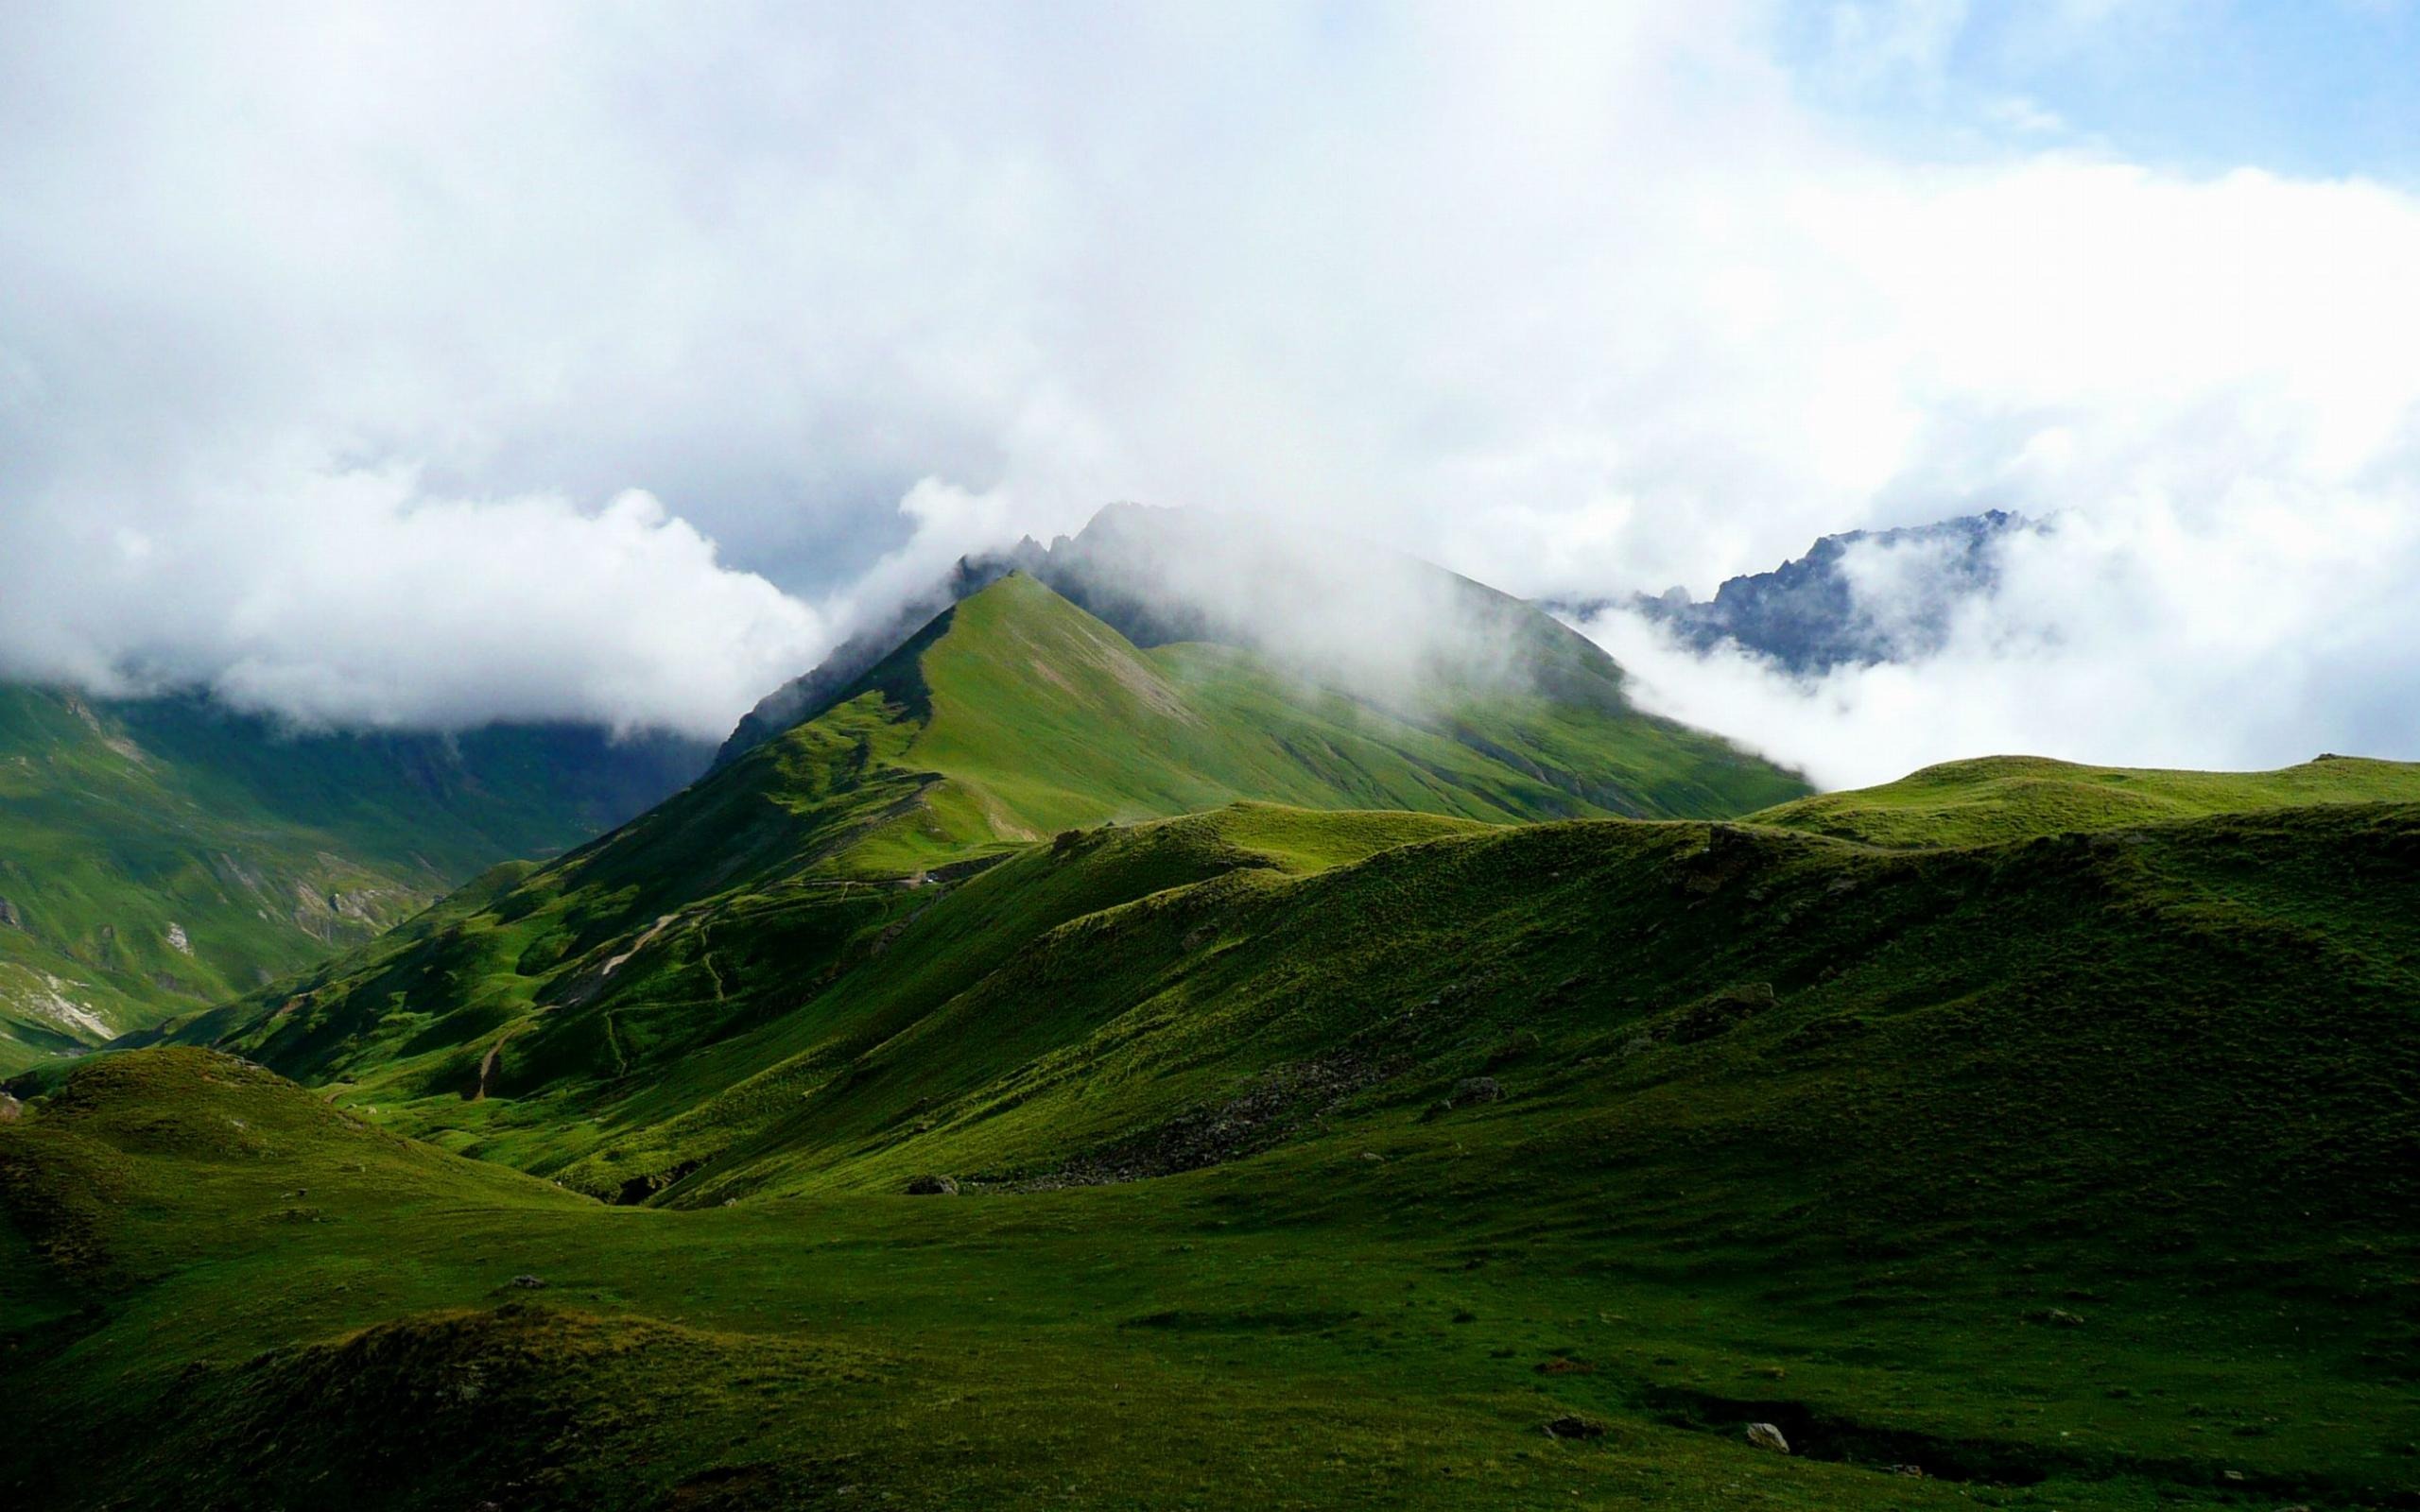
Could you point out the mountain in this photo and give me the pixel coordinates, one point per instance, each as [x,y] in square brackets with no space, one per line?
[157,855]
[1324,1056]
[2018,1135]
[1380,627]
[803,698]
[1809,615]
[695,947]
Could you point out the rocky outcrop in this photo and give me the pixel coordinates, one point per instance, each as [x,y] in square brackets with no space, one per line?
[8,914]
[1474,1089]
[932,1186]
[1765,1436]
[639,1189]
[1808,614]
[1717,1013]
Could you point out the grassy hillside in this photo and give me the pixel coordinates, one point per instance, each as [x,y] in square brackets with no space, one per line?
[1043,717]
[2073,1171]
[2018,1135]
[692,950]
[159,855]
[1263,629]
[2006,797]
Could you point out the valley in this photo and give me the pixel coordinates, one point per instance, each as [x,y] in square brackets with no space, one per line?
[160,854]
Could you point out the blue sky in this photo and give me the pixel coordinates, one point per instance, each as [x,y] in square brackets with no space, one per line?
[2322,87]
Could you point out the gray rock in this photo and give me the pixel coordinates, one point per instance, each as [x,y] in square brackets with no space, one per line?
[1475,1089]
[1765,1436]
[1719,1013]
[527,1283]
[1806,613]
[9,916]
[1571,1425]
[11,1109]
[932,1186]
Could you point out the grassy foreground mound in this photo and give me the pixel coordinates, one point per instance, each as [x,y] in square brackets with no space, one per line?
[162,854]
[1322,1161]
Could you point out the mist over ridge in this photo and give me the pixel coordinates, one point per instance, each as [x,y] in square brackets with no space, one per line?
[1336,613]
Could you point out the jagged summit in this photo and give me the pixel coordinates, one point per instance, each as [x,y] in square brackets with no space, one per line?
[1811,613]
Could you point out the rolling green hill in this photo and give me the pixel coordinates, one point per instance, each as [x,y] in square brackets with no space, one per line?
[2007,797]
[160,854]
[1323,1160]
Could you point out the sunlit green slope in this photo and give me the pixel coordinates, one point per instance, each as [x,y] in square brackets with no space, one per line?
[162,854]
[1038,716]
[2006,797]
[685,944]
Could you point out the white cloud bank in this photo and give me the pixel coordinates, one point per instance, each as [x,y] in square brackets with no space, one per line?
[343,352]
[2246,643]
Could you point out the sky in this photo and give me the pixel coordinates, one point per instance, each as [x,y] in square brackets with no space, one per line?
[423,365]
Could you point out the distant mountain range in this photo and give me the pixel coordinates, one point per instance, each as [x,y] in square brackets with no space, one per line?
[1808,615]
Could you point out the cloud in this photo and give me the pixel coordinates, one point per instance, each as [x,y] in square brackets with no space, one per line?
[329,338]
[357,598]
[2232,635]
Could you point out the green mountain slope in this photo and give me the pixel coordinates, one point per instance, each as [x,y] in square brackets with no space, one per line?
[2074,1171]
[1311,614]
[2019,1134]
[700,936]
[160,854]
[2006,797]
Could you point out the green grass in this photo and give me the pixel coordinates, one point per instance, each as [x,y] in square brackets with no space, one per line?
[694,953]
[1997,799]
[1995,1090]
[1045,717]
[1988,1122]
[125,825]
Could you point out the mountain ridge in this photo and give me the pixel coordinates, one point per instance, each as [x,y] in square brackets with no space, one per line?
[1012,716]
[158,854]
[1164,575]
[1808,616]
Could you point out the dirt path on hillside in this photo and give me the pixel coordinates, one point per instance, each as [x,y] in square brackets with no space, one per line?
[486,1065]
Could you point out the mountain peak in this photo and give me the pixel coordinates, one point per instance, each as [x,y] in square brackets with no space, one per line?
[1371,621]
